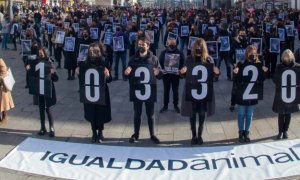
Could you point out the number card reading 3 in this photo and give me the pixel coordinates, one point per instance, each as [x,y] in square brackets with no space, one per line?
[199,82]
[142,84]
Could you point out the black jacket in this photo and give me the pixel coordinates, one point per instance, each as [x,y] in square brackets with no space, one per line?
[50,101]
[283,108]
[150,59]
[162,58]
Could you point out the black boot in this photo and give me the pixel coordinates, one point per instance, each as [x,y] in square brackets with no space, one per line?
[194,140]
[241,136]
[94,136]
[43,130]
[100,136]
[51,123]
[154,139]
[52,132]
[69,74]
[246,136]
[134,138]
[200,140]
[279,136]
[285,135]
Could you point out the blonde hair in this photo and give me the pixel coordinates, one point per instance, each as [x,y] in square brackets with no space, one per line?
[202,44]
[248,50]
[288,53]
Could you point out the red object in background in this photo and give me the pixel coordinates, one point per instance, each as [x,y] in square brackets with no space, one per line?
[44,1]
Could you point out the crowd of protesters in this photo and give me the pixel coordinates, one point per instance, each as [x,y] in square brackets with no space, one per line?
[143,32]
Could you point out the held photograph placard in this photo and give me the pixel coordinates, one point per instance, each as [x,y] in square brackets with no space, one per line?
[60,36]
[69,44]
[83,52]
[225,43]
[118,43]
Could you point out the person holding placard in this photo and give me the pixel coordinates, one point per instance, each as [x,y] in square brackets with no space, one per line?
[245,99]
[184,33]
[203,106]
[171,61]
[97,114]
[120,53]
[58,47]
[285,105]
[270,57]
[225,53]
[144,57]
[290,34]
[45,103]
[69,53]
[7,102]
[239,45]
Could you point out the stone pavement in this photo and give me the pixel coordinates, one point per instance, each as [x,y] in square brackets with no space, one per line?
[172,129]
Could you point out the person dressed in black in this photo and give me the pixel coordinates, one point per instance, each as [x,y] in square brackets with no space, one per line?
[270,57]
[284,110]
[239,42]
[96,114]
[46,103]
[174,59]
[144,56]
[70,56]
[204,107]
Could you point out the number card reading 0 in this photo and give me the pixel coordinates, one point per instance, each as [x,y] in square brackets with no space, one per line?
[92,86]
[287,83]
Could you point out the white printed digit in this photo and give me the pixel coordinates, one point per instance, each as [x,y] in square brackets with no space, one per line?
[146,80]
[284,77]
[202,82]
[41,68]
[88,95]
[253,69]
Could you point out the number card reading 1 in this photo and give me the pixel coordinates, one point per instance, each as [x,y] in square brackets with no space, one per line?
[142,84]
[287,86]
[40,78]
[92,88]
[199,82]
[250,82]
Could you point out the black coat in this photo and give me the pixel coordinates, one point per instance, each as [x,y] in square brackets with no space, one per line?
[50,101]
[70,58]
[280,107]
[95,113]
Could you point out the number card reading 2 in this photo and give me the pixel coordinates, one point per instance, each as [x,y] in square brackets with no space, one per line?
[92,88]
[287,86]
[142,84]
[40,78]
[250,82]
[199,82]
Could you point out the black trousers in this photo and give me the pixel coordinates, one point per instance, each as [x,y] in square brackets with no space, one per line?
[14,40]
[284,122]
[171,80]
[138,107]
[58,54]
[42,108]
[271,62]
[95,126]
[200,109]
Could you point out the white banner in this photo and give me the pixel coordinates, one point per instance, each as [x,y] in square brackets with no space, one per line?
[87,161]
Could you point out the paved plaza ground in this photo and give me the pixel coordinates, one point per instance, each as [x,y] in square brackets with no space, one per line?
[171,128]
